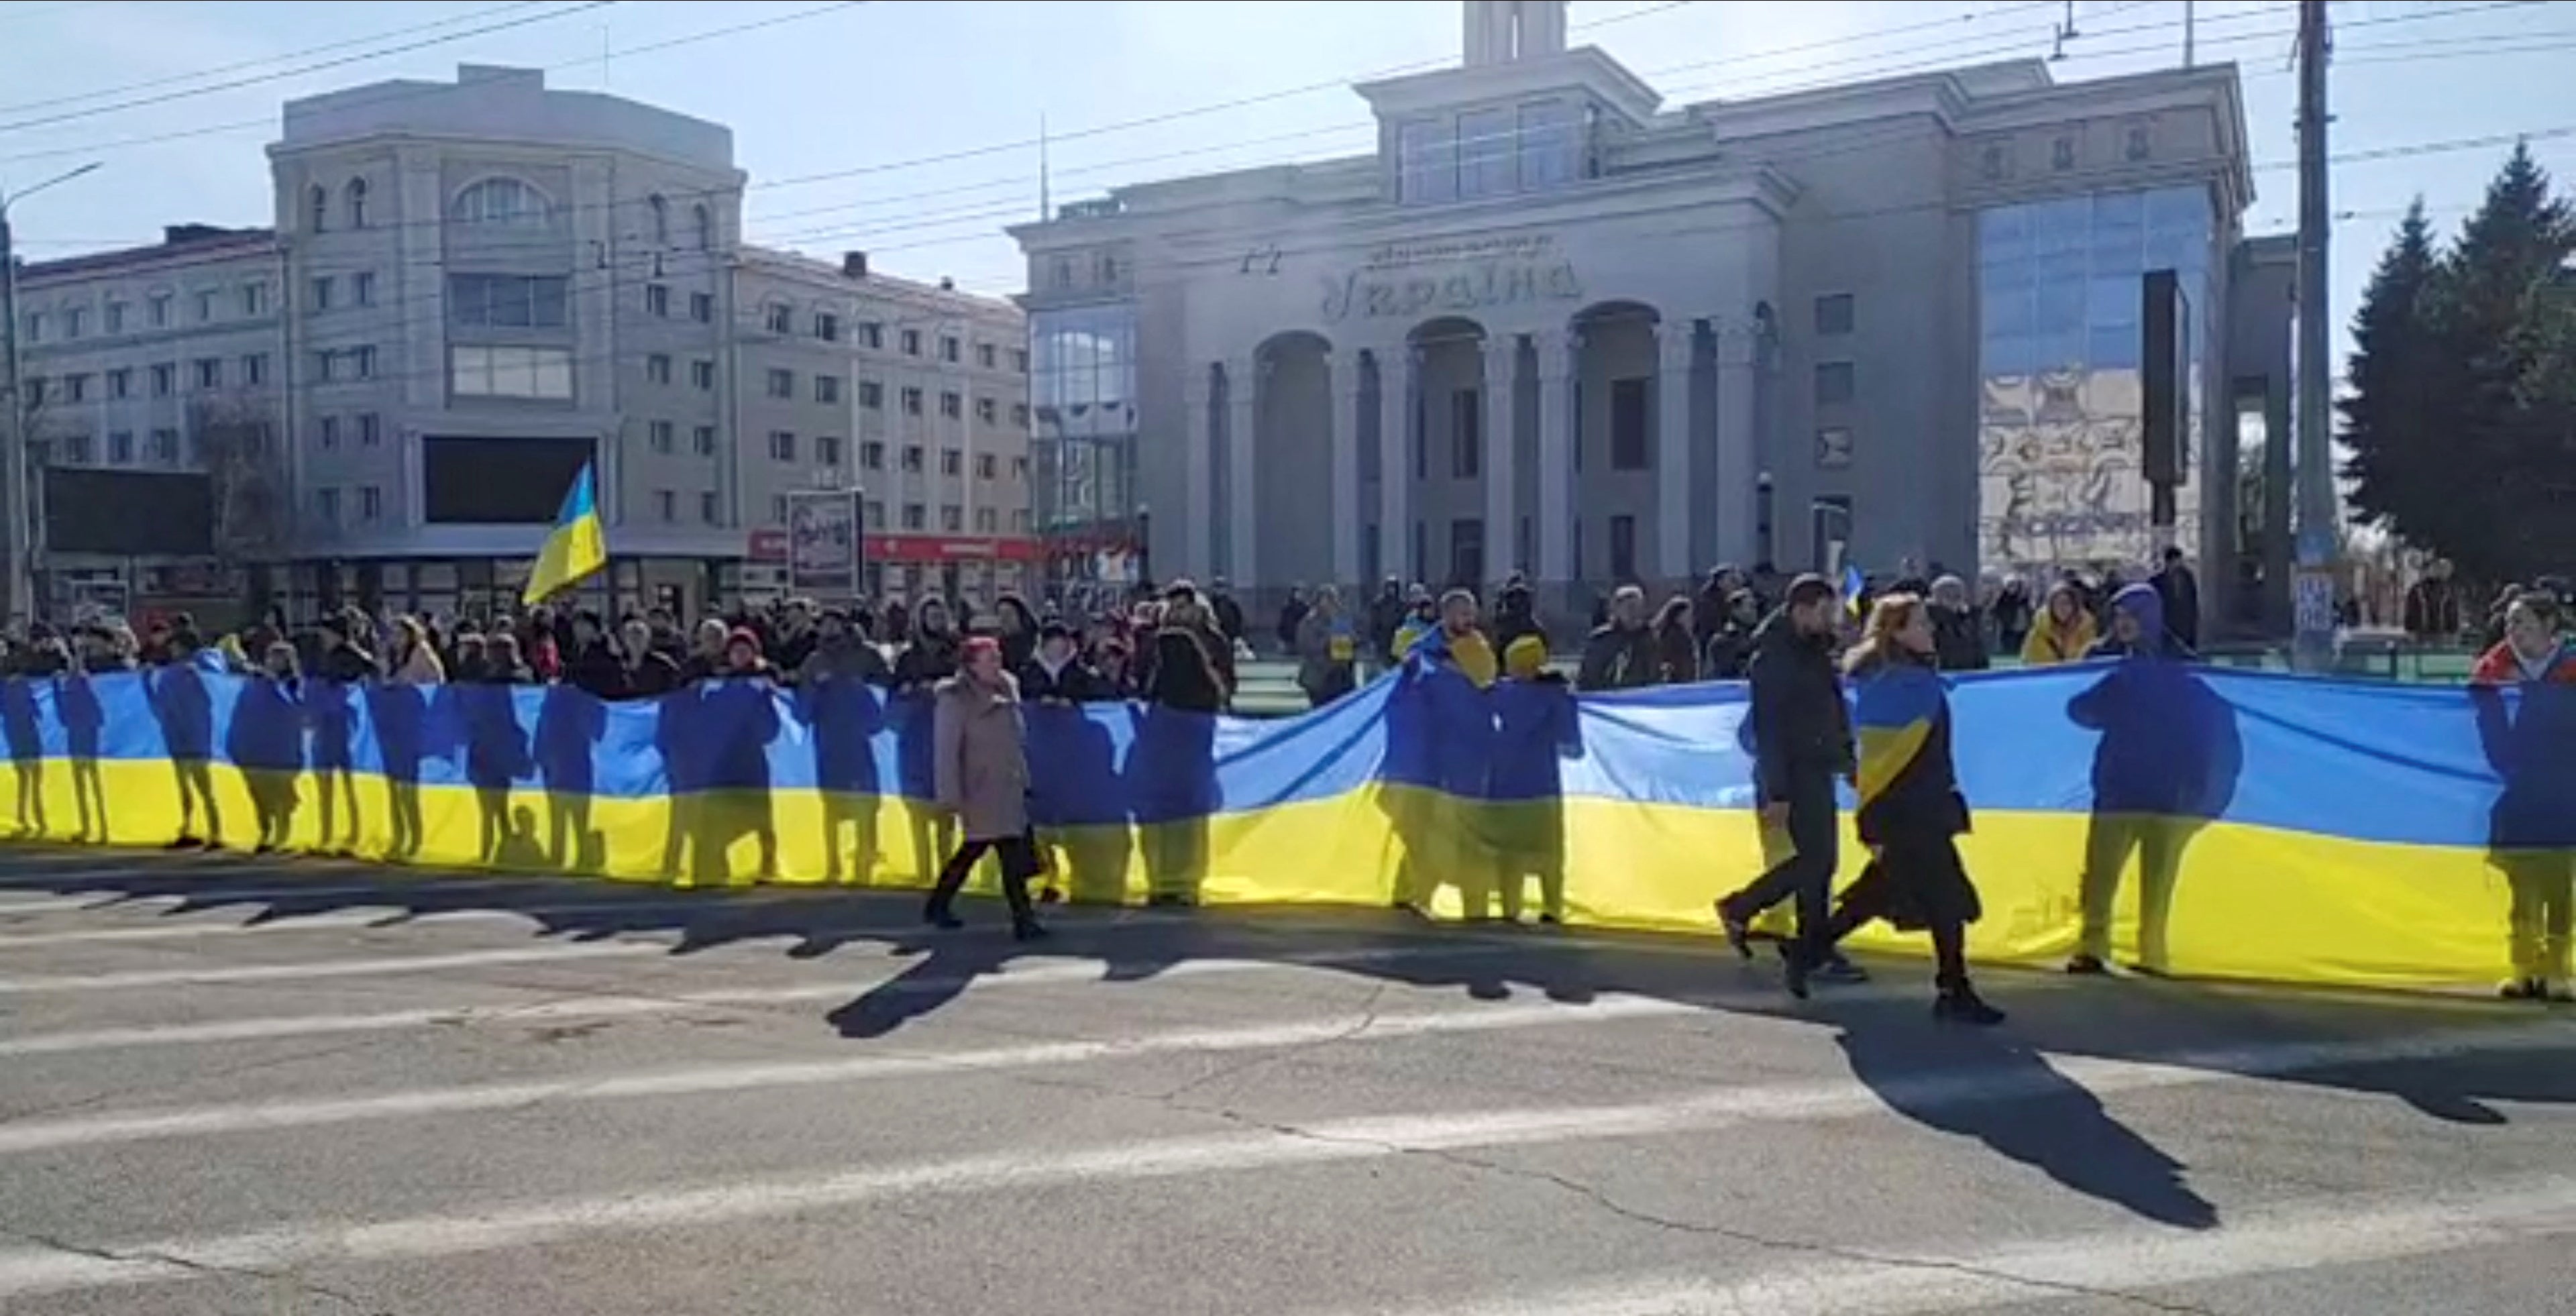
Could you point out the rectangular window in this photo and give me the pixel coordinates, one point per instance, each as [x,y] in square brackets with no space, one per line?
[1628,414]
[657,300]
[873,514]
[1830,525]
[702,375]
[1834,447]
[657,369]
[165,379]
[952,518]
[987,466]
[322,287]
[540,373]
[1019,415]
[210,372]
[702,440]
[664,436]
[160,310]
[1623,549]
[1466,437]
[827,450]
[371,502]
[116,318]
[75,388]
[782,446]
[911,401]
[205,309]
[120,383]
[76,449]
[782,383]
[35,326]
[255,367]
[120,447]
[362,288]
[984,355]
[328,433]
[948,347]
[165,447]
[781,319]
[326,506]
[75,322]
[364,361]
[872,456]
[952,406]
[1019,468]
[986,410]
[702,307]
[912,342]
[913,516]
[986,520]
[1427,157]
[952,462]
[708,512]
[1487,156]
[371,429]
[1020,520]
[827,388]
[1834,383]
[1833,314]
[667,503]
[254,299]
[912,458]
[872,336]
[1467,552]
[827,327]
[871,395]
[1020,360]
[511,301]
[778,508]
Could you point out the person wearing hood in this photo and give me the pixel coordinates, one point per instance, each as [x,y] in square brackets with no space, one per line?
[2063,632]
[2138,629]
[1730,647]
[1056,673]
[981,776]
[1801,742]
[1958,630]
[843,652]
[2531,834]
[1621,653]
[1516,614]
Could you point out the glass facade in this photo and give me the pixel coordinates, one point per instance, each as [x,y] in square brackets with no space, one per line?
[2061,293]
[1082,442]
[1490,152]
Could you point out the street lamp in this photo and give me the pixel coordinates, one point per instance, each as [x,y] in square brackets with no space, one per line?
[16,473]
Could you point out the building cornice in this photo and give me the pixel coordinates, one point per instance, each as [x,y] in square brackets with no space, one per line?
[1584,69]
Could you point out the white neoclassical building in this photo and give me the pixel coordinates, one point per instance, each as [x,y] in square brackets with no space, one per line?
[1552,326]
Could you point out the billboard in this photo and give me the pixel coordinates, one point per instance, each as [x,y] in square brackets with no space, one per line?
[824,543]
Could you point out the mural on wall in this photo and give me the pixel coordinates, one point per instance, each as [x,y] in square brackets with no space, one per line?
[2060,472]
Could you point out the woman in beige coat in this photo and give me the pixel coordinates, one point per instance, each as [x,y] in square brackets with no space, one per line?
[981,775]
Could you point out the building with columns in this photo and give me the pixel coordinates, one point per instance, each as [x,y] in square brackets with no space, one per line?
[1552,325]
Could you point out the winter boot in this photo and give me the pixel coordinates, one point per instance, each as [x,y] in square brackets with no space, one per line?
[1959,1003]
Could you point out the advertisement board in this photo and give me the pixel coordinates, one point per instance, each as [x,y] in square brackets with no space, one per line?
[824,544]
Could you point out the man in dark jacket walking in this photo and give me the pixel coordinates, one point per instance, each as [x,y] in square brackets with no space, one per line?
[1620,654]
[1801,742]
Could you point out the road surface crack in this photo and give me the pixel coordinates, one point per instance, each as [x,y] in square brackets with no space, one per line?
[1368,1016]
[205,1269]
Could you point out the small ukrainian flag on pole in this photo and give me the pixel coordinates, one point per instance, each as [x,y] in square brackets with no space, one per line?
[1855,588]
[576,547]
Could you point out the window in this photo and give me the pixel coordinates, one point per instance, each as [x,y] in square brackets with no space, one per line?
[362,361]
[165,379]
[1019,415]
[1994,163]
[987,466]
[708,511]
[951,405]
[1061,273]
[255,366]
[158,312]
[667,504]
[912,458]
[543,373]
[778,508]
[871,395]
[912,401]
[702,440]
[986,409]
[1834,314]
[371,502]
[782,383]
[35,387]
[210,372]
[511,301]
[702,375]
[1830,527]
[952,462]
[317,202]
[913,516]
[1551,145]
[947,347]
[702,307]
[1019,468]
[1623,549]
[76,449]
[362,288]
[1834,447]
[872,456]
[35,328]
[1020,360]
[1628,402]
[354,200]
[326,506]
[371,429]
[254,299]
[661,220]
[782,446]
[912,342]
[984,355]
[1427,160]
[827,326]
[657,369]
[781,318]
[664,436]
[1467,551]
[827,450]
[705,223]
[1486,156]
[986,520]
[164,447]
[827,388]
[120,447]
[872,515]
[2061,153]
[1466,437]
[205,309]
[327,433]
[952,518]
[115,318]
[120,383]
[1834,383]
[2139,144]
[75,321]
[505,202]
[872,335]
[321,298]
[657,300]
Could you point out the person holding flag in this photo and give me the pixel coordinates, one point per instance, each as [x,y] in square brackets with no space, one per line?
[575,548]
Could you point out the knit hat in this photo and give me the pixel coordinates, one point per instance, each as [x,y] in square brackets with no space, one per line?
[746,636]
[1525,658]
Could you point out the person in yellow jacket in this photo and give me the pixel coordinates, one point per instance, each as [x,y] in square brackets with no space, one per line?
[2063,631]
[1456,641]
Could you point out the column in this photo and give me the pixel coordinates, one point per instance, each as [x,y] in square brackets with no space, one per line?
[1674,339]
[1398,368]
[1346,431]
[1502,505]
[1558,355]
[1198,469]
[1739,447]
[1246,381]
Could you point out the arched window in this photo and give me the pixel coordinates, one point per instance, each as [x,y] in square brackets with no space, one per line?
[661,221]
[354,201]
[706,222]
[321,207]
[500,201]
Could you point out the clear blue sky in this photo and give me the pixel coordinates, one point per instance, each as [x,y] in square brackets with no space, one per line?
[883,86]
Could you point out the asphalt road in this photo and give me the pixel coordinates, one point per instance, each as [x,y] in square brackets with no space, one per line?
[315,1088]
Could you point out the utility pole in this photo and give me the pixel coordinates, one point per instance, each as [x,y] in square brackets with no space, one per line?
[2313,645]
[17,471]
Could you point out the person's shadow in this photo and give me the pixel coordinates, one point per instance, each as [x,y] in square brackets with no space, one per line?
[1079,801]
[84,723]
[496,754]
[2529,739]
[399,714]
[843,716]
[1536,728]
[2166,766]
[2039,1117]
[909,715]
[732,728]
[1171,780]
[331,714]
[23,727]
[187,717]
[265,740]
[946,965]
[570,723]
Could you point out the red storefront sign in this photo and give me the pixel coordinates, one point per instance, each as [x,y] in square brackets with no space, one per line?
[771,546]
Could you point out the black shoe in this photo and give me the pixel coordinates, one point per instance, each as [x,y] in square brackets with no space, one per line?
[2523,989]
[1794,970]
[1028,930]
[2087,966]
[1962,1005]
[1836,969]
[942,919]
[1739,932]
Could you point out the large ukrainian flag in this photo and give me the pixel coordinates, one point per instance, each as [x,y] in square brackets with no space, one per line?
[577,546]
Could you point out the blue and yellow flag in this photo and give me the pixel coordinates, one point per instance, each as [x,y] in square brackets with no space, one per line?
[576,547]
[1855,589]
[1893,710]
